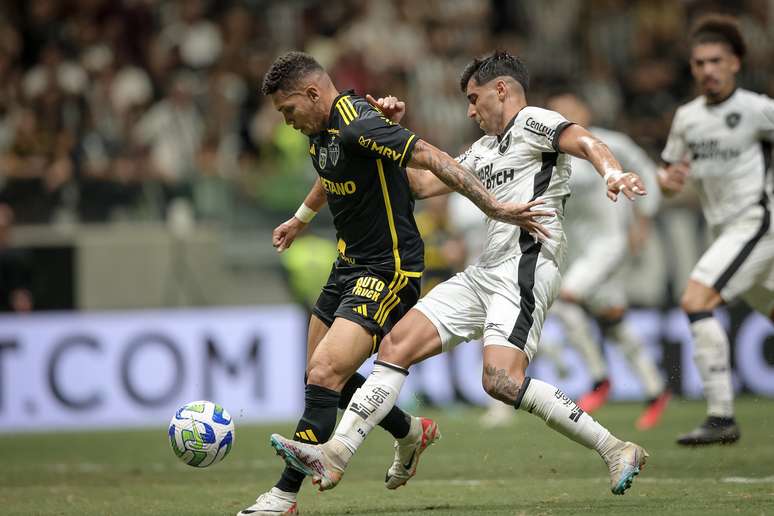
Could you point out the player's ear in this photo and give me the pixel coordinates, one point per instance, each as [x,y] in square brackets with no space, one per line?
[502,90]
[312,92]
[736,64]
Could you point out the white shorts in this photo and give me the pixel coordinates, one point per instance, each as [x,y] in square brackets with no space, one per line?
[594,275]
[740,262]
[506,304]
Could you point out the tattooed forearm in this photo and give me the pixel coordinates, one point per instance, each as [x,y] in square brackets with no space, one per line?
[454,175]
[499,385]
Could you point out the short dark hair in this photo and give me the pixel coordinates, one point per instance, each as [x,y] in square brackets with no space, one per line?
[499,63]
[718,28]
[287,70]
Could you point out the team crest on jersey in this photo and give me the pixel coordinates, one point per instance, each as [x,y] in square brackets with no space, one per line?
[504,144]
[732,119]
[322,159]
[333,151]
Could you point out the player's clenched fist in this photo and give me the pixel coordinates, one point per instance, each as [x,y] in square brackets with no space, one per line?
[283,235]
[392,107]
[671,178]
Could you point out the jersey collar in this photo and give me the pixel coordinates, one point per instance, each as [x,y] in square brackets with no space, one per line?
[332,115]
[719,102]
[507,127]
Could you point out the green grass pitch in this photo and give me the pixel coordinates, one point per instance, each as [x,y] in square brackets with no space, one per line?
[523,469]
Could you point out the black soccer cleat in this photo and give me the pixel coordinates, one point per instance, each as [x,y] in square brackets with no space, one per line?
[714,430]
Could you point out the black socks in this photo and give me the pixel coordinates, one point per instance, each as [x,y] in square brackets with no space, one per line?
[316,426]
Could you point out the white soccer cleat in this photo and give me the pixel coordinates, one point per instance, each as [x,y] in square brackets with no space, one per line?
[271,503]
[625,463]
[404,466]
[309,459]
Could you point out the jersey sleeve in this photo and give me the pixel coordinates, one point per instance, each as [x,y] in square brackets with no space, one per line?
[766,117]
[467,159]
[676,148]
[542,129]
[377,137]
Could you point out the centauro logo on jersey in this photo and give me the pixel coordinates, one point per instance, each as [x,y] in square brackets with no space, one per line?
[536,127]
[368,143]
[333,187]
[369,287]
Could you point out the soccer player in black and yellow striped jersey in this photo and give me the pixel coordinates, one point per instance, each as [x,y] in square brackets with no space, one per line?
[360,157]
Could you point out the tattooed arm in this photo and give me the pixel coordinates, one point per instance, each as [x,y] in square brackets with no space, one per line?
[459,178]
[425,184]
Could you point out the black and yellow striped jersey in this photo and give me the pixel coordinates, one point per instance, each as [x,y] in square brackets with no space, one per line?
[361,159]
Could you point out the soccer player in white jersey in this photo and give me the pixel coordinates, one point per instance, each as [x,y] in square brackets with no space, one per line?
[721,143]
[505,296]
[598,244]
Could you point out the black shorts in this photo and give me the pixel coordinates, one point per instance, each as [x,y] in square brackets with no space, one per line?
[372,296]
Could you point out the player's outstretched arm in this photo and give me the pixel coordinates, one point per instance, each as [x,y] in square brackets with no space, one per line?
[425,184]
[283,235]
[579,142]
[459,178]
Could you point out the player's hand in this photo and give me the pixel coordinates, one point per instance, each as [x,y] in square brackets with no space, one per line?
[392,107]
[671,178]
[627,183]
[283,235]
[525,216]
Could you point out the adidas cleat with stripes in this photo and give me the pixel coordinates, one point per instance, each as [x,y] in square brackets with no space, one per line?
[625,463]
[404,466]
[309,459]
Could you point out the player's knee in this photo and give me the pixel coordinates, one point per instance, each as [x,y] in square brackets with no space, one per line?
[698,298]
[393,351]
[325,374]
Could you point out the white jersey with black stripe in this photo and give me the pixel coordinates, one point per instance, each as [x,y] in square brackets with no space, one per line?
[520,165]
[728,146]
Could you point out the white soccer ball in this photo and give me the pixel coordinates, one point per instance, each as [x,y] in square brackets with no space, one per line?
[201,433]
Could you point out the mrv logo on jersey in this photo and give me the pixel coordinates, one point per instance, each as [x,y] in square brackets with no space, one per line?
[372,402]
[368,143]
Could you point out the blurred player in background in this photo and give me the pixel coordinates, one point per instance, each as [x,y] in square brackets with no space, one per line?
[505,296]
[360,157]
[15,269]
[721,142]
[598,244]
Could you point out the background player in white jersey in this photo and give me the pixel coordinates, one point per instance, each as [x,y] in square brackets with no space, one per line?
[721,142]
[503,298]
[598,245]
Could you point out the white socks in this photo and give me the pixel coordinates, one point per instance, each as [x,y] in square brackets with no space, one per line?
[711,354]
[578,331]
[370,403]
[279,493]
[639,360]
[563,415]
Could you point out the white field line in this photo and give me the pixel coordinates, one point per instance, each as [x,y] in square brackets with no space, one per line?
[89,467]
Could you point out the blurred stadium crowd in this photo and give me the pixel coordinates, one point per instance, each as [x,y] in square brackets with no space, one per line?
[110,109]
